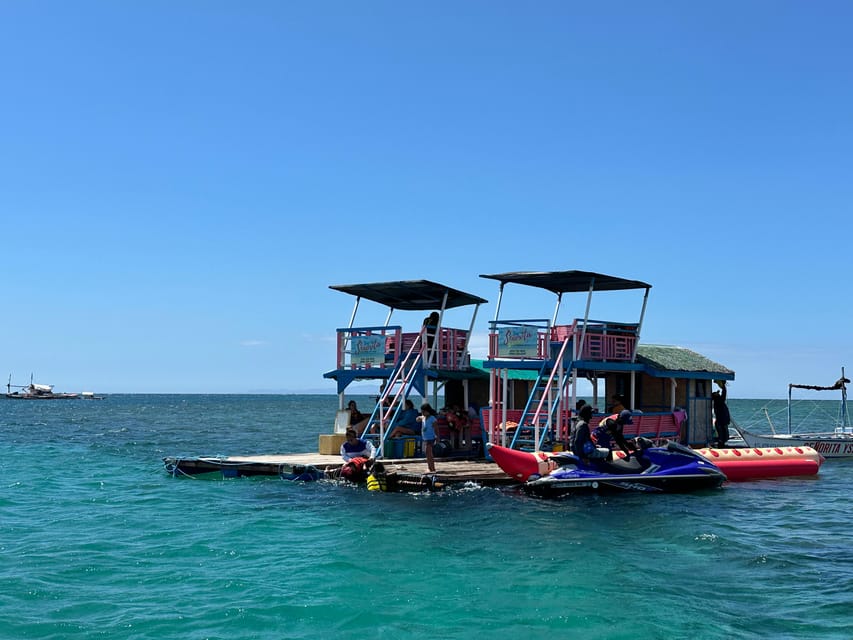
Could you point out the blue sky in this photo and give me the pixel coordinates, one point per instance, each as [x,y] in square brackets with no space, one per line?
[180,182]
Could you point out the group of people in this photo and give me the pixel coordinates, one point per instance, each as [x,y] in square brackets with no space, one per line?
[408,422]
[586,443]
[589,444]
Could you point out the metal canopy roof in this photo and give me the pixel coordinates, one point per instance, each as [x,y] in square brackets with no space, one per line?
[410,295]
[568,281]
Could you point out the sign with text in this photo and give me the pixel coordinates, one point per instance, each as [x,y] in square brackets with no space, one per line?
[518,342]
[367,350]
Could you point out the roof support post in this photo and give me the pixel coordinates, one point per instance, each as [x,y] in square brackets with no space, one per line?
[579,347]
[640,324]
[500,297]
[557,308]
[354,309]
[468,339]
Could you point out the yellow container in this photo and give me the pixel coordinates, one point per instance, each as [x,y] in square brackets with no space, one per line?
[330,443]
[409,448]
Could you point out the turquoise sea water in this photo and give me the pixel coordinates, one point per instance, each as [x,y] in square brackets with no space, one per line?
[98,541]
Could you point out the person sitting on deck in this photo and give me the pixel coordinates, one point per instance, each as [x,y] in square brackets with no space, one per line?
[457,422]
[406,423]
[357,420]
[611,428]
[355,447]
[618,404]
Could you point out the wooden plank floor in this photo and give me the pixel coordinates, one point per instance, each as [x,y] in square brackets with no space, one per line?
[448,470]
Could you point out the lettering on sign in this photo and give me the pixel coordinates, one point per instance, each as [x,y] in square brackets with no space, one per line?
[367,350]
[518,342]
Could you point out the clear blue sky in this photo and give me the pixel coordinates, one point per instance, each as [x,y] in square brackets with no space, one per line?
[180,182]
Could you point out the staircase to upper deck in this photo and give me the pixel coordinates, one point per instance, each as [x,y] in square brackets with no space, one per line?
[546,417]
[405,376]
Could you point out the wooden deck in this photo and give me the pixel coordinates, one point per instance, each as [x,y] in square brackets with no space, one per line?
[448,471]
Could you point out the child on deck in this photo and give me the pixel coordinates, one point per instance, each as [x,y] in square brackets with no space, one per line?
[427,420]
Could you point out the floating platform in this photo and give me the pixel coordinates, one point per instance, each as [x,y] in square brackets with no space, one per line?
[450,472]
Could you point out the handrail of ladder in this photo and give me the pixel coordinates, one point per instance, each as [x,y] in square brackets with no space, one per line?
[523,420]
[550,380]
[534,420]
[401,393]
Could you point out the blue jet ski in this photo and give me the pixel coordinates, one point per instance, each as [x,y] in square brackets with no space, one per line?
[670,469]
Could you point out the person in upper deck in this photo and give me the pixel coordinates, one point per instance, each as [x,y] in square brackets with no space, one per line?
[611,428]
[431,326]
[355,447]
[722,417]
[406,423]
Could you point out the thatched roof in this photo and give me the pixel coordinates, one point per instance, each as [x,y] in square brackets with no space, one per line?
[665,360]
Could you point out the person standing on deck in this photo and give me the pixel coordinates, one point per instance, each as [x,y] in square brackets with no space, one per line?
[722,417]
[427,420]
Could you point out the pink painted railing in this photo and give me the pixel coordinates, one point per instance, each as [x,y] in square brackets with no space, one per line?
[449,350]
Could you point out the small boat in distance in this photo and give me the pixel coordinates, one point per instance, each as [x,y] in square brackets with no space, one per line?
[837,443]
[34,391]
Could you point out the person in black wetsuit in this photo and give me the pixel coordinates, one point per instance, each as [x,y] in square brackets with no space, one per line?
[722,417]
[582,445]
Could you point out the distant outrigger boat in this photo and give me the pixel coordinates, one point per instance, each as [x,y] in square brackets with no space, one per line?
[837,443]
[35,391]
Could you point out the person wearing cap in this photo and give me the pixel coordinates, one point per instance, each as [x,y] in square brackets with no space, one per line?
[611,427]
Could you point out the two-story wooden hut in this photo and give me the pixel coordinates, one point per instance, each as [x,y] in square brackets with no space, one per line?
[667,388]
[428,356]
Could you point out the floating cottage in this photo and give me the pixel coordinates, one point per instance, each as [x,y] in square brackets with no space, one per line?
[524,391]
[669,388]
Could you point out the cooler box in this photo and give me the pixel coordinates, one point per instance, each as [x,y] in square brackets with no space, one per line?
[393,448]
[330,443]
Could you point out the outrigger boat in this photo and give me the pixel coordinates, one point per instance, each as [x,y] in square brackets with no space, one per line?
[35,391]
[837,443]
